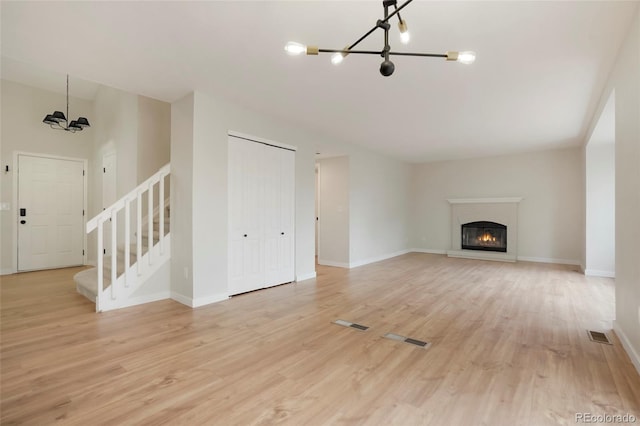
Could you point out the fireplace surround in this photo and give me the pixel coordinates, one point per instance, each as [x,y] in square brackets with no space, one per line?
[492,228]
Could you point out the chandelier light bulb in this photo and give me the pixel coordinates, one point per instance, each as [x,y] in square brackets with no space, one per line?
[336,58]
[404,32]
[467,57]
[293,48]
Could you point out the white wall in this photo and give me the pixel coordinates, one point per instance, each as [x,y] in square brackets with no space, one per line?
[154,136]
[625,80]
[22,110]
[379,207]
[334,211]
[212,119]
[600,210]
[182,199]
[115,130]
[549,217]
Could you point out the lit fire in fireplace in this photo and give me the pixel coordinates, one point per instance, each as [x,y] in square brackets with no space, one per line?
[486,238]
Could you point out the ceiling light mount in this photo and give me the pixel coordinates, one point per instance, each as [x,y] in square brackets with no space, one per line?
[386,67]
[59,121]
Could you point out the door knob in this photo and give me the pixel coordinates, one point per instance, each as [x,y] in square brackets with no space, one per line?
[23,222]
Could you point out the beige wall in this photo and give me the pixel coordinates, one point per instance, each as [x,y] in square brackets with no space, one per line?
[378,206]
[154,136]
[182,199]
[334,211]
[600,242]
[549,216]
[206,162]
[625,80]
[23,109]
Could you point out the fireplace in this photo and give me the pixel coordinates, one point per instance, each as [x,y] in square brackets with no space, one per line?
[485,236]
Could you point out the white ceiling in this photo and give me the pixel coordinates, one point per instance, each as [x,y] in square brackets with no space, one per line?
[540,70]
[54,81]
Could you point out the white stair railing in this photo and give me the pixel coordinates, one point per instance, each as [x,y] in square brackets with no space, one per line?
[123,284]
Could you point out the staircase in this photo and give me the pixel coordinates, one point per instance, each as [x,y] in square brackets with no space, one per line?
[138,230]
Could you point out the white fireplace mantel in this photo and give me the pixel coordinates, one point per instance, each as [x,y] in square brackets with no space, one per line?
[500,210]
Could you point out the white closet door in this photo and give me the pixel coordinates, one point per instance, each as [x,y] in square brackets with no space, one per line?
[246,244]
[261,215]
[279,216]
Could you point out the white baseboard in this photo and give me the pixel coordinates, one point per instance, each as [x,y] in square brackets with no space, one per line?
[214,298]
[628,347]
[597,273]
[7,271]
[549,260]
[182,299]
[430,251]
[303,277]
[133,301]
[332,263]
[377,258]
[201,301]
[91,263]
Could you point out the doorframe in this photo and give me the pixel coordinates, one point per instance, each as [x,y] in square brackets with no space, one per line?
[16,176]
[317,200]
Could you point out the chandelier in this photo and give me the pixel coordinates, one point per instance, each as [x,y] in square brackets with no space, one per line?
[59,121]
[386,67]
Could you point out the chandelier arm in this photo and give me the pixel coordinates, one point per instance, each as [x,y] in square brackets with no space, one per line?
[399,17]
[397,11]
[379,52]
[386,27]
[428,55]
[368,33]
[67,120]
[367,52]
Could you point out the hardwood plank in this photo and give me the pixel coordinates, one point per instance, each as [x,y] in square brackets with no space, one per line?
[509,346]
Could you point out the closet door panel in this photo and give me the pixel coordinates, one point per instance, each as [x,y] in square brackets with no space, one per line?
[272,228]
[287,216]
[280,267]
[236,187]
[253,233]
[246,245]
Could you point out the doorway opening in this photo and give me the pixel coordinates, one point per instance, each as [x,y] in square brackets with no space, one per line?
[600,195]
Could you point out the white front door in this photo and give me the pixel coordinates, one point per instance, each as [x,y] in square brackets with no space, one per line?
[50,213]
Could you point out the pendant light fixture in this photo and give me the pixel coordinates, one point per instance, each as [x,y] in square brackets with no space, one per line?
[387,67]
[59,121]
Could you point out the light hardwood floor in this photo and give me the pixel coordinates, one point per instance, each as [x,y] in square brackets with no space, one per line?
[509,347]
